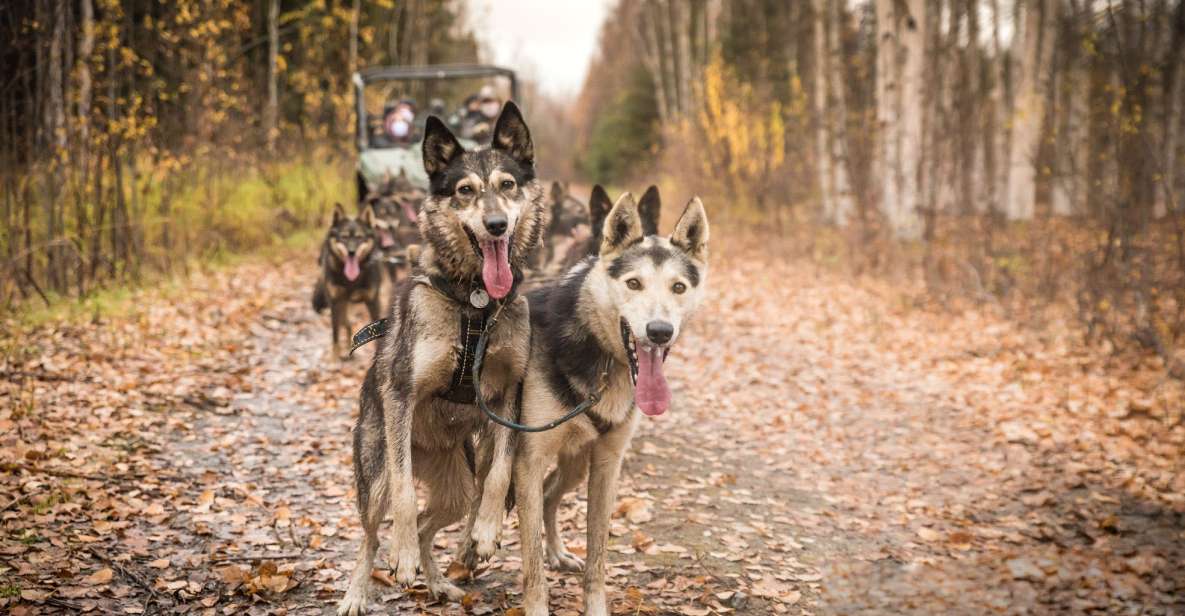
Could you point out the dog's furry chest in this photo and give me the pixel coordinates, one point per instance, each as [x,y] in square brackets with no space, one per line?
[427,350]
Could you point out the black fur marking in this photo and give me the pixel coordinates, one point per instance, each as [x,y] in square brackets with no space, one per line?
[599,205]
[577,356]
[481,163]
[649,209]
[440,146]
[512,136]
[659,255]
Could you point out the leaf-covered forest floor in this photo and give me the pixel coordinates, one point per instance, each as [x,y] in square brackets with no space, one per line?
[833,449]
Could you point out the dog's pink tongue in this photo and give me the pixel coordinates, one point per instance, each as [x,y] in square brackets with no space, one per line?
[651,392]
[495,267]
[409,210]
[352,270]
[386,239]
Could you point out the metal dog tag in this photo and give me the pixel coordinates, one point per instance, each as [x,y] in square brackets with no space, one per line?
[479,298]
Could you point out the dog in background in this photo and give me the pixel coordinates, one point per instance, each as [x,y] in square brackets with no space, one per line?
[351,272]
[396,203]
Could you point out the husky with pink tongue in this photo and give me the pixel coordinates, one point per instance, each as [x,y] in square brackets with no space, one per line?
[350,273]
[418,423]
[604,330]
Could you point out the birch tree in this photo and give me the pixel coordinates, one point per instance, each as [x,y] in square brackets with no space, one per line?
[901,41]
[1035,37]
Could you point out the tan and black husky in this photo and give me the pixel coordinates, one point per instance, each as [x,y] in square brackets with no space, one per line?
[606,328]
[351,272]
[483,217]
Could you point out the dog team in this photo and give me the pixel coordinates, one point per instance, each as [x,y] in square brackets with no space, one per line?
[517,330]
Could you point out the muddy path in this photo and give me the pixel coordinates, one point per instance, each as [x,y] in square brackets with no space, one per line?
[830,451]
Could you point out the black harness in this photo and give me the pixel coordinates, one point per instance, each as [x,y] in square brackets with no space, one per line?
[478,316]
[475,309]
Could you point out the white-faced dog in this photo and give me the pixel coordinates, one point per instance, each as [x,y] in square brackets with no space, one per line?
[604,330]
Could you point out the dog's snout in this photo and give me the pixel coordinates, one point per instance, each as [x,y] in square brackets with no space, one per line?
[659,332]
[495,223]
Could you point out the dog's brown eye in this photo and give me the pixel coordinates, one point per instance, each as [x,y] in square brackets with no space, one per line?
[634,284]
[507,184]
[465,190]
[678,288]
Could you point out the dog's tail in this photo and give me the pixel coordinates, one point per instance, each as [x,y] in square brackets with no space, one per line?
[320,296]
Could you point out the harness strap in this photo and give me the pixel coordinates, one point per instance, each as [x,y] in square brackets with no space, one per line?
[461,389]
[372,331]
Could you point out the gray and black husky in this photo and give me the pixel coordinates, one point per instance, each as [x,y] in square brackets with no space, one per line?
[351,272]
[482,218]
[606,328]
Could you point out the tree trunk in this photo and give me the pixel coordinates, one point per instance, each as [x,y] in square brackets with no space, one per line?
[822,136]
[1068,193]
[271,112]
[686,60]
[355,10]
[662,24]
[57,129]
[647,40]
[901,41]
[1173,69]
[1029,107]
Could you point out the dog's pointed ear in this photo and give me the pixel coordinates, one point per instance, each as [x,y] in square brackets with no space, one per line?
[339,212]
[622,226]
[649,209]
[512,136]
[440,146]
[557,192]
[599,204]
[367,216]
[691,232]
[413,254]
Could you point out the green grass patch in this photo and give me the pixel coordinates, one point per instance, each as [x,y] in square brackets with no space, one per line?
[207,217]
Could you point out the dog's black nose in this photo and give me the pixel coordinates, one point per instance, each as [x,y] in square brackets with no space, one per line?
[659,332]
[495,224]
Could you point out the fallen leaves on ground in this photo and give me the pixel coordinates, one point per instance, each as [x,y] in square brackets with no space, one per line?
[831,450]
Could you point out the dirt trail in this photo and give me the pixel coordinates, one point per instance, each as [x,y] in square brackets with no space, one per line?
[829,452]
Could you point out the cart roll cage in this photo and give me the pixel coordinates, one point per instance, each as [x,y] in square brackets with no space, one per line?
[370,75]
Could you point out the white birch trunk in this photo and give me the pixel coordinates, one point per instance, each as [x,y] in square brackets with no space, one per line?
[1029,108]
[886,165]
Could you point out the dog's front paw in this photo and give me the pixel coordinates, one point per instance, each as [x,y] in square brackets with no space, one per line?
[354,603]
[485,538]
[563,560]
[405,559]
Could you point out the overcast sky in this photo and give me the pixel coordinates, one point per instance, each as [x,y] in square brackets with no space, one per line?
[547,41]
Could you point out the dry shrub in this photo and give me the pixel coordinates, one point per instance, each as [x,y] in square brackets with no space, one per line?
[738,149]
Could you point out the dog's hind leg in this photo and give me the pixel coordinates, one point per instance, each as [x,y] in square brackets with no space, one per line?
[568,474]
[450,486]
